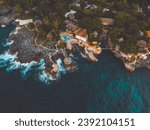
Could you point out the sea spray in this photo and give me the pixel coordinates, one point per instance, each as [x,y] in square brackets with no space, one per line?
[42,76]
[7,43]
[27,68]
[47,79]
[6,58]
[9,63]
[61,69]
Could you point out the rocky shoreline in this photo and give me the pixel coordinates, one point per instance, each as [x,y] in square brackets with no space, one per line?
[131,66]
[27,51]
[23,44]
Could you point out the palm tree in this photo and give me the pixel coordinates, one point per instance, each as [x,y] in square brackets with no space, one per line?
[55,25]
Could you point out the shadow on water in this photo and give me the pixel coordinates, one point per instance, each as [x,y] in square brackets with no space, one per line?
[96,87]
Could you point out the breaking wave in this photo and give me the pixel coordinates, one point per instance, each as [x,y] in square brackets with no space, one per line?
[37,69]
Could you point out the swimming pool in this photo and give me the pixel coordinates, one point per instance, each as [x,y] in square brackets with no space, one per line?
[67,39]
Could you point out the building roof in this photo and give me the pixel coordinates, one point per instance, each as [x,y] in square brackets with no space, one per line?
[38,22]
[107,21]
[71,26]
[148,33]
[141,43]
[67,60]
[95,43]
[81,32]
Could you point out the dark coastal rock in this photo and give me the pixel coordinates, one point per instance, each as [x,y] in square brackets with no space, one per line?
[24,45]
[48,63]
[27,51]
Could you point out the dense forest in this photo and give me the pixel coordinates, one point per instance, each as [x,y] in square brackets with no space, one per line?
[130,16]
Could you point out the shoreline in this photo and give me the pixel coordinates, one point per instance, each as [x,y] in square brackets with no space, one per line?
[122,56]
[28,50]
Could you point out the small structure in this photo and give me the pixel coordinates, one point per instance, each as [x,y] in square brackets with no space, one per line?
[106,10]
[34,8]
[94,43]
[71,27]
[67,60]
[95,50]
[142,56]
[121,39]
[141,33]
[95,33]
[24,22]
[27,12]
[71,14]
[141,43]
[76,3]
[131,58]
[81,34]
[148,33]
[90,6]
[67,21]
[129,67]
[107,21]
[38,22]
[69,46]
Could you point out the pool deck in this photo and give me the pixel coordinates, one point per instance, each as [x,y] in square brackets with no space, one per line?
[96,50]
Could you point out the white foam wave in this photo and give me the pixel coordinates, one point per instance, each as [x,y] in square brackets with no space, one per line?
[8,43]
[9,62]
[61,69]
[43,77]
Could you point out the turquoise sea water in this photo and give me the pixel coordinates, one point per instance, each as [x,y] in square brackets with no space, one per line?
[96,87]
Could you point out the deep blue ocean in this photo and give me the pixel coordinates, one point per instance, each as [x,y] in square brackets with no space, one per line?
[95,87]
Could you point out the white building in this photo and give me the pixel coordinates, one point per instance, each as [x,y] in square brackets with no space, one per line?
[81,34]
